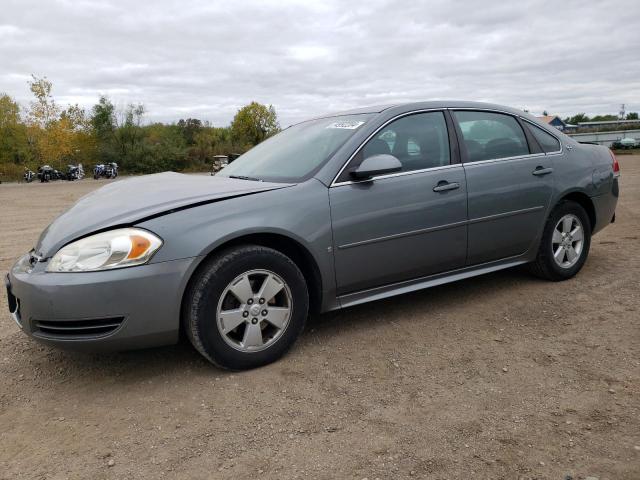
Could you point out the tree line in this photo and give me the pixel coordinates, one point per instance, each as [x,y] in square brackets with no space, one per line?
[583,117]
[47,133]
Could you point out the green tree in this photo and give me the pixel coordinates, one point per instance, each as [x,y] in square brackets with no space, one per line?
[253,123]
[580,117]
[129,133]
[632,116]
[189,128]
[103,129]
[13,133]
[604,118]
[103,118]
[118,134]
[163,148]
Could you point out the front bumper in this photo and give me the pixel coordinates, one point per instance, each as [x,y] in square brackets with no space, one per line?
[119,309]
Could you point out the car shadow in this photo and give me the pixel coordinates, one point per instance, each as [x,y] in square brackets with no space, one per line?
[427,300]
[183,359]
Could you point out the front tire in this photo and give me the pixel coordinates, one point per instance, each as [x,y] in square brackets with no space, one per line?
[246,307]
[565,243]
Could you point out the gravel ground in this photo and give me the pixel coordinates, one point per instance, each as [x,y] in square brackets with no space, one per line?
[502,376]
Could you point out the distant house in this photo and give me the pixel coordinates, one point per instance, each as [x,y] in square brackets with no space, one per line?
[554,121]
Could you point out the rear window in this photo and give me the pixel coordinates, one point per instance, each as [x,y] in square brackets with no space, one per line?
[489,135]
[547,142]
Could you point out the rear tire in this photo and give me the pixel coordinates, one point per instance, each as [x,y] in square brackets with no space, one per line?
[565,243]
[225,317]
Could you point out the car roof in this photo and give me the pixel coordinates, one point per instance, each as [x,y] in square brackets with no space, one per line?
[408,106]
[400,108]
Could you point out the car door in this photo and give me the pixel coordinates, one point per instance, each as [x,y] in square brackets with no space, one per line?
[509,183]
[402,225]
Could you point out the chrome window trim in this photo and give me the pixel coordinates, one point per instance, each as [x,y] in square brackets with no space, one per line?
[441,109]
[398,174]
[349,182]
[494,160]
[501,159]
[482,109]
[555,152]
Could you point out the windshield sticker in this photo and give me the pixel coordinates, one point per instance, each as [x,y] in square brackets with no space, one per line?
[345,125]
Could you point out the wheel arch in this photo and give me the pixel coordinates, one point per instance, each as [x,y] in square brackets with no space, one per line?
[284,244]
[584,201]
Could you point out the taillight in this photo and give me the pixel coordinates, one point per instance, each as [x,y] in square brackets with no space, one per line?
[616,165]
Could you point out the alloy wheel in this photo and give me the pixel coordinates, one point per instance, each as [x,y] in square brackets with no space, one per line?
[254,310]
[567,241]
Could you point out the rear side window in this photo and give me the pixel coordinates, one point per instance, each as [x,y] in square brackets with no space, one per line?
[489,135]
[548,142]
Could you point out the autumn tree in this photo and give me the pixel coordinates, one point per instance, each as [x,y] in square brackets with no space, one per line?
[211,141]
[84,143]
[51,134]
[253,123]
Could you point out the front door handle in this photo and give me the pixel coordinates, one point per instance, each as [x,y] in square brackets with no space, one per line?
[443,186]
[542,171]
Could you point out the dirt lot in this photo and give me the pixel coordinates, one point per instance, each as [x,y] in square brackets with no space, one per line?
[503,376]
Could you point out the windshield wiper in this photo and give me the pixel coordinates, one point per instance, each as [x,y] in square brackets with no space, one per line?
[244,177]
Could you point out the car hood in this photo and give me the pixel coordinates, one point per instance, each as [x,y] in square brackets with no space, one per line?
[126,202]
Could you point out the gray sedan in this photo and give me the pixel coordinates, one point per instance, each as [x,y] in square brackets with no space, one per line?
[331,212]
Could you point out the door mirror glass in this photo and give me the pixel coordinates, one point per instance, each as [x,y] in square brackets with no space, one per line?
[376,165]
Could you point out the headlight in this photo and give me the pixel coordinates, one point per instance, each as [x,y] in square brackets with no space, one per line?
[124,247]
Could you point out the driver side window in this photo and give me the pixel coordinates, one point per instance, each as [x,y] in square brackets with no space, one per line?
[418,141]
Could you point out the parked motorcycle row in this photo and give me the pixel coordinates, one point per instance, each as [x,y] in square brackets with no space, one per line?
[47,173]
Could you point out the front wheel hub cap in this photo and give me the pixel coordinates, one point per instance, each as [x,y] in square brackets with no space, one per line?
[253,294]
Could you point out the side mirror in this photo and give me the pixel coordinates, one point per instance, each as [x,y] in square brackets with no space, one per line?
[376,165]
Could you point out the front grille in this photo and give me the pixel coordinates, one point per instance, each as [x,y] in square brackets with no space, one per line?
[94,328]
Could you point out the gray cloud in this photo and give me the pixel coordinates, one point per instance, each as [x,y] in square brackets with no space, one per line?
[205,59]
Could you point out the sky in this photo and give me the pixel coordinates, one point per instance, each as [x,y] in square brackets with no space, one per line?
[205,59]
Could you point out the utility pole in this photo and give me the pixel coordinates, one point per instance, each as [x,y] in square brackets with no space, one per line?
[622,112]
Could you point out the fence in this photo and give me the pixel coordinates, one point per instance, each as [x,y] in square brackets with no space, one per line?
[605,138]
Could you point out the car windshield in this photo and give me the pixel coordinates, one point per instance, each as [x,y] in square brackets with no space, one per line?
[297,152]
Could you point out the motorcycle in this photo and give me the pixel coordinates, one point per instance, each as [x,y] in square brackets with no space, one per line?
[75,172]
[111,170]
[29,175]
[107,170]
[47,173]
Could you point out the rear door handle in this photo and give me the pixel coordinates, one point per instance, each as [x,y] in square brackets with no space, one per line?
[443,186]
[542,171]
